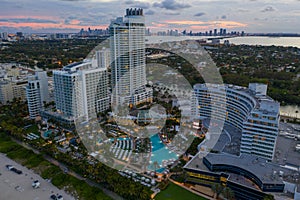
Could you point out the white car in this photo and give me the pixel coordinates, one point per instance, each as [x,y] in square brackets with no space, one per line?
[36,184]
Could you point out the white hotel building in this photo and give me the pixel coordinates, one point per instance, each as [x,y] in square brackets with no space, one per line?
[37,93]
[81,89]
[127,44]
[248,109]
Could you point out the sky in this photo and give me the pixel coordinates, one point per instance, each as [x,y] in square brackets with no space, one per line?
[252,16]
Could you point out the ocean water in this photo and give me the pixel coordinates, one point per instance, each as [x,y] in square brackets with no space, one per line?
[265,41]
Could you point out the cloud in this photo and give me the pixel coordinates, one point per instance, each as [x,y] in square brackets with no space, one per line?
[150,12]
[138,4]
[268,9]
[72,0]
[171,5]
[171,13]
[243,10]
[199,14]
[28,20]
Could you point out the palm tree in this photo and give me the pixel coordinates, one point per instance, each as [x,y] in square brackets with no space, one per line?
[217,188]
[268,197]
[228,193]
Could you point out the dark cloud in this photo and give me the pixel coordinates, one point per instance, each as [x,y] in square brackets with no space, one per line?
[149,12]
[138,4]
[224,17]
[171,5]
[28,20]
[268,9]
[199,14]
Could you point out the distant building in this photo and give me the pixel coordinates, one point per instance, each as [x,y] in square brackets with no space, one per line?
[128,66]
[248,109]
[6,93]
[12,82]
[4,36]
[37,93]
[81,89]
[12,89]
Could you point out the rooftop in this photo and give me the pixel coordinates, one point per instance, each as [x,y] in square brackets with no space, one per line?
[267,172]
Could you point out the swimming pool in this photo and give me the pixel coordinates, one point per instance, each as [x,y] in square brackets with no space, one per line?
[160,153]
[47,133]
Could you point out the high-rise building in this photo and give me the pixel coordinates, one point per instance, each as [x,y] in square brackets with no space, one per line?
[249,109]
[128,68]
[4,36]
[81,89]
[260,129]
[37,93]
[215,32]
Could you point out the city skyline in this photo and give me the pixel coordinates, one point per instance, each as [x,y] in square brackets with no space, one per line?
[72,15]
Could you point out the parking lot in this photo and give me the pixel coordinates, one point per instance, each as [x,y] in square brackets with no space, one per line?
[16,186]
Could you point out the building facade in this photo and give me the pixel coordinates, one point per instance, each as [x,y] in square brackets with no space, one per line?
[248,109]
[81,89]
[37,93]
[127,44]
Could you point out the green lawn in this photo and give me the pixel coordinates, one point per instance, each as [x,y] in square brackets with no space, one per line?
[174,192]
[32,129]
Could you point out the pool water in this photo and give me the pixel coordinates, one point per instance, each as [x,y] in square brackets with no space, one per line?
[47,133]
[159,153]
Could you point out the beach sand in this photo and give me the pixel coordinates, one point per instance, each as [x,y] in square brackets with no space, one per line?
[18,187]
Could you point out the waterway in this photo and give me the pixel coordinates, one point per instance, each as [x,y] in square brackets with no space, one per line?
[248,40]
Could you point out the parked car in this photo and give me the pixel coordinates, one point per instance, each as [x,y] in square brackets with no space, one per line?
[12,168]
[53,197]
[16,171]
[60,197]
[36,184]
[9,167]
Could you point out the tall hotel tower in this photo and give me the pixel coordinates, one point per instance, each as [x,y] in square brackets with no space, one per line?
[37,93]
[128,66]
[81,89]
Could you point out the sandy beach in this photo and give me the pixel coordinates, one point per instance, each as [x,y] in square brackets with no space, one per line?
[15,186]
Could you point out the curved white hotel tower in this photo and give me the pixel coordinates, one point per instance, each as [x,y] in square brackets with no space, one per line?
[248,109]
[128,68]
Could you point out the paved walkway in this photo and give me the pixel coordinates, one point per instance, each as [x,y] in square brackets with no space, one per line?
[63,167]
[18,186]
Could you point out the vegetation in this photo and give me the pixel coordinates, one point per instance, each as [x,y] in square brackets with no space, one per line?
[241,64]
[48,53]
[175,192]
[47,170]
[193,148]
[12,117]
